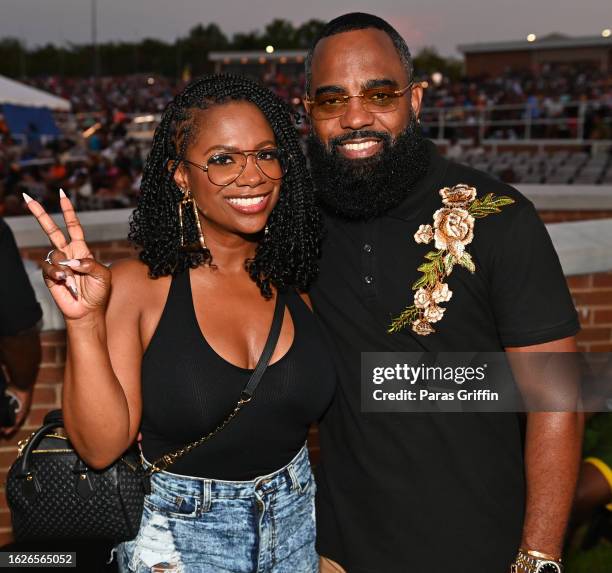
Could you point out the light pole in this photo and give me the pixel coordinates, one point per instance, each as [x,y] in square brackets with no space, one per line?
[94,37]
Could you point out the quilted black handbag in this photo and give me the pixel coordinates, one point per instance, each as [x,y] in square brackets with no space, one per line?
[52,494]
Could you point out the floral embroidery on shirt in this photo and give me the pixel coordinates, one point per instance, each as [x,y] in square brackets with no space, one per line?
[451,232]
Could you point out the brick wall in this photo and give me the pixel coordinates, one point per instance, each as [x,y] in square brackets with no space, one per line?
[592,295]
[564,216]
[495,63]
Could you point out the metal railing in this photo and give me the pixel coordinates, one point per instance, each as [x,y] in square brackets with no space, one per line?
[522,121]
[517,123]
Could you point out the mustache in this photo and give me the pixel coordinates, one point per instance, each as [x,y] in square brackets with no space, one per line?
[334,142]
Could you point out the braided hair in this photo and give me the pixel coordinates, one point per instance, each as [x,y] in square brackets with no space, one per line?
[287,254]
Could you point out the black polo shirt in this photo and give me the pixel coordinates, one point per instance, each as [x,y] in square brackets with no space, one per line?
[19,309]
[430,493]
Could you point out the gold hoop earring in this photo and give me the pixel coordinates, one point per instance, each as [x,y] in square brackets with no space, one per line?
[188,200]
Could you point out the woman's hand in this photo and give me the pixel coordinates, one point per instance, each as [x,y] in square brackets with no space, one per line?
[79,284]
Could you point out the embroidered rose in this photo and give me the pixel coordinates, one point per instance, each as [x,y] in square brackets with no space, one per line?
[433,313]
[453,229]
[451,232]
[458,196]
[441,293]
[422,298]
[424,234]
[422,327]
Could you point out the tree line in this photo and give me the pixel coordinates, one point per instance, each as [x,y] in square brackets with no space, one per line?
[171,59]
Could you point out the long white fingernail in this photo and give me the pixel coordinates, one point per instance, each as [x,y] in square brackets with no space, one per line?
[62,194]
[72,263]
[27,198]
[71,284]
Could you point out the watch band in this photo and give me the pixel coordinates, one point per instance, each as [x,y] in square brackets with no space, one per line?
[526,563]
[540,554]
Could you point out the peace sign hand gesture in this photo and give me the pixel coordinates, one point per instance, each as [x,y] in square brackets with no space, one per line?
[78,283]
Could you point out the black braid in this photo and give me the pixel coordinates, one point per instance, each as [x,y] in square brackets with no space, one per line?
[287,255]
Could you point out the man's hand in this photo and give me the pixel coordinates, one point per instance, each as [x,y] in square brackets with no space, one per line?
[20,355]
[25,403]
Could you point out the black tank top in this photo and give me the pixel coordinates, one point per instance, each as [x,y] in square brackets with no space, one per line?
[187,389]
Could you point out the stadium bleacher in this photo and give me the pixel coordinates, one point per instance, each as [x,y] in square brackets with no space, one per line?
[557,167]
[104,142]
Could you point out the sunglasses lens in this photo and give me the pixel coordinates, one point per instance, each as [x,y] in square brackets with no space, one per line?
[380,99]
[329,105]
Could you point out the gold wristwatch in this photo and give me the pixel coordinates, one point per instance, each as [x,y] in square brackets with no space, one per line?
[529,561]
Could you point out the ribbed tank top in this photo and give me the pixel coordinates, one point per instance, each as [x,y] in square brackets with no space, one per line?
[187,389]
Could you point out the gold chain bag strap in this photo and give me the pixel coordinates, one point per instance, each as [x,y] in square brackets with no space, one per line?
[245,396]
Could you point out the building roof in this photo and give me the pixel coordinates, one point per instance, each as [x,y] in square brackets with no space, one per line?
[21,94]
[550,42]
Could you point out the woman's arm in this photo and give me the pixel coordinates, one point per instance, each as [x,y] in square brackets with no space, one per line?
[101,397]
[101,392]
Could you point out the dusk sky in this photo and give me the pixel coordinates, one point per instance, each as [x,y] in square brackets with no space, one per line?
[440,23]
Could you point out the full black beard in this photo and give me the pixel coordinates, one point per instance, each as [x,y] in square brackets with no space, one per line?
[360,189]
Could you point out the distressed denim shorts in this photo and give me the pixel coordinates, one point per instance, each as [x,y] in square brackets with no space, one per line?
[198,525]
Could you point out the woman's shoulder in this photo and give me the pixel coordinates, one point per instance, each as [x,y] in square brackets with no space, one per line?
[131,268]
[132,284]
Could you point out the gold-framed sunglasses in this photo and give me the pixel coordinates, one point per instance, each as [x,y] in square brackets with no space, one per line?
[224,167]
[381,99]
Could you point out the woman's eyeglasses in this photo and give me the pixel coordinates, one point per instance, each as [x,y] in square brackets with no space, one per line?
[225,167]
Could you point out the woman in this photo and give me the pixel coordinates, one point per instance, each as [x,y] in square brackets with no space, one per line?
[226,217]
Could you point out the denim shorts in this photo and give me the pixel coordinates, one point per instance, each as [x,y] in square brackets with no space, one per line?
[198,525]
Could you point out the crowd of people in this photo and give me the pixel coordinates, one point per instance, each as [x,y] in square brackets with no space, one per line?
[128,94]
[99,161]
[553,100]
[102,172]
[547,92]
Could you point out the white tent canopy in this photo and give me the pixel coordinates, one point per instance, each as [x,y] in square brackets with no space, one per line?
[17,93]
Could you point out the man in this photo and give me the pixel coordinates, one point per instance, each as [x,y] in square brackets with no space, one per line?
[427,493]
[20,350]
[594,489]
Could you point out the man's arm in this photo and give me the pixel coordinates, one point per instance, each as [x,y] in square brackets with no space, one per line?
[553,444]
[20,355]
[20,351]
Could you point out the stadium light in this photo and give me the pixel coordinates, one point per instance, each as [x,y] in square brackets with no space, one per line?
[606,33]
[269,49]
[531,38]
[437,78]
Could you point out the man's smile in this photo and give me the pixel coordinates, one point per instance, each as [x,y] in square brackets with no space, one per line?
[360,148]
